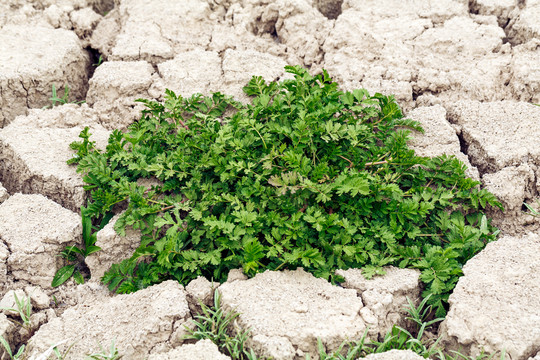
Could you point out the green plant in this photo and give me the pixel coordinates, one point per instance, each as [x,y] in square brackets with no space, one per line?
[399,338]
[216,325]
[24,309]
[100,61]
[61,100]
[306,175]
[103,355]
[532,211]
[7,347]
[75,255]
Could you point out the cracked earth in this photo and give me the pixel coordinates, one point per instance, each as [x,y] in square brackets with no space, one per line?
[469,71]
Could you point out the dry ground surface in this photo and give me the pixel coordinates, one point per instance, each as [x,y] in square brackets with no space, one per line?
[468,70]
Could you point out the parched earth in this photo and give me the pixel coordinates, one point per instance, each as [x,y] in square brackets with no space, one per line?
[469,71]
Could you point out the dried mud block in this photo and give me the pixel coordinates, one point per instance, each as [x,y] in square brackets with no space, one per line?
[35,230]
[114,249]
[525,80]
[156,31]
[9,302]
[288,311]
[304,29]
[495,305]
[438,11]
[7,331]
[360,47]
[512,186]
[34,150]
[200,290]
[3,194]
[4,255]
[384,297]
[84,21]
[525,23]
[498,134]
[394,355]
[439,137]
[226,36]
[463,58]
[137,322]
[499,8]
[191,72]
[201,350]
[236,274]
[239,66]
[114,88]
[32,59]
[40,299]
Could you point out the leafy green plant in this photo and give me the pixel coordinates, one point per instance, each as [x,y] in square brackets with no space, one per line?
[61,100]
[75,255]
[306,175]
[216,325]
[24,309]
[18,355]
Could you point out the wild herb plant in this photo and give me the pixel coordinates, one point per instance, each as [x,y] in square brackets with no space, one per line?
[306,175]
[75,255]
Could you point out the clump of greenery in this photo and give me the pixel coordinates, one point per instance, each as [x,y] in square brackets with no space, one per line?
[75,255]
[216,324]
[307,175]
[61,100]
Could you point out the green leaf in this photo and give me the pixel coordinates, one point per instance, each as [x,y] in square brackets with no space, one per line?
[77,276]
[62,275]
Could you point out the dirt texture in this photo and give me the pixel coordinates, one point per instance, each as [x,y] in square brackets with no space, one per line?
[495,304]
[115,248]
[3,194]
[32,60]
[394,355]
[200,291]
[201,350]
[35,229]
[384,297]
[500,142]
[114,88]
[154,313]
[34,151]
[288,311]
[439,137]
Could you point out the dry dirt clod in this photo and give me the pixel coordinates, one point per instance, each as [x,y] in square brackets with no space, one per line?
[288,311]
[114,88]
[495,304]
[394,355]
[137,322]
[35,230]
[439,137]
[384,297]
[32,59]
[114,249]
[202,350]
[24,169]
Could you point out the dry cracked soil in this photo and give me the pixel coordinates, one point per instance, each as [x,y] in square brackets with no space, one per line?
[468,70]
